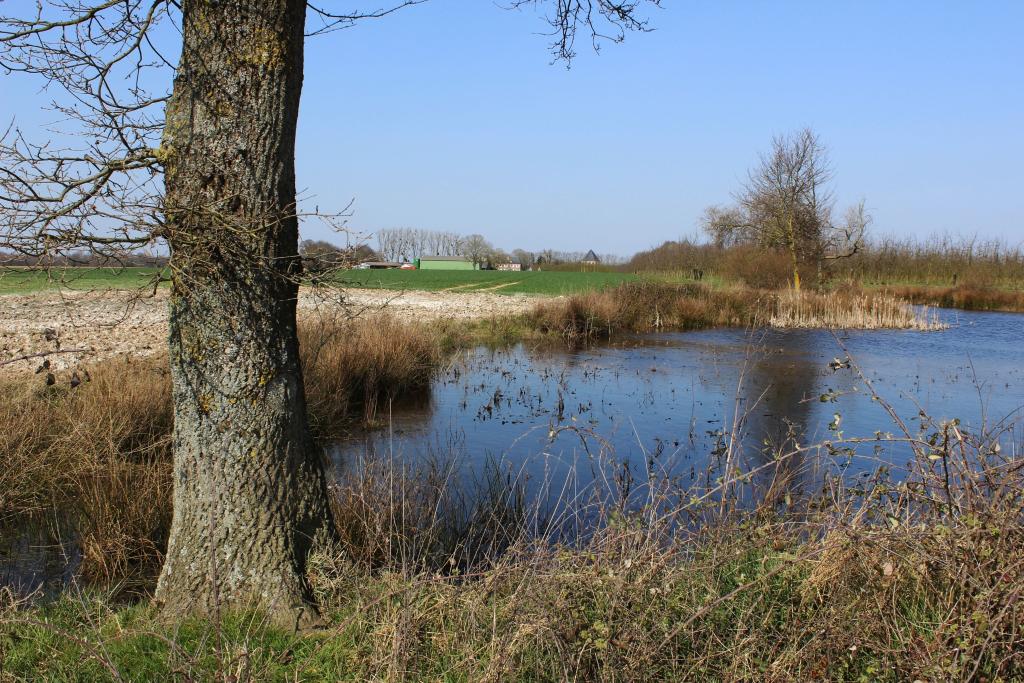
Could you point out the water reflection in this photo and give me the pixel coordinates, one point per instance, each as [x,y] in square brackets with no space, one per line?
[670,401]
[37,559]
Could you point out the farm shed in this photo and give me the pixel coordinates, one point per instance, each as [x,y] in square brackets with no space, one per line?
[445,263]
[379,264]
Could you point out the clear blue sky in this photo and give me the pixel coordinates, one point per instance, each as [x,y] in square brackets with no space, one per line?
[451,116]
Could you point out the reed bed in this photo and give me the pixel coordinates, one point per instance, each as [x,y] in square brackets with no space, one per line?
[965,297]
[849,311]
[652,306]
[913,573]
[98,455]
[352,368]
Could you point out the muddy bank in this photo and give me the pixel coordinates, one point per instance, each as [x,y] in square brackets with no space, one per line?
[87,327]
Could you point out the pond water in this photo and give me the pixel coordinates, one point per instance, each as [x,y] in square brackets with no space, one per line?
[666,404]
[670,401]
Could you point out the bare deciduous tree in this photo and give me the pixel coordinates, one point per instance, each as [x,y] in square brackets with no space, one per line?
[787,203]
[182,131]
[477,249]
[397,244]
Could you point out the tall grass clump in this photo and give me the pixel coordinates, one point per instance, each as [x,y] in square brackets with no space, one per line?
[653,306]
[428,516]
[97,457]
[639,307]
[842,309]
[99,453]
[355,367]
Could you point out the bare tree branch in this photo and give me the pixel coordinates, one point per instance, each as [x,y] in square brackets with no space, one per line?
[336,21]
[601,20]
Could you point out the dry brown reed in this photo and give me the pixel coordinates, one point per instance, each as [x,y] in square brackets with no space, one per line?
[652,306]
[858,311]
[99,452]
[425,517]
[967,297]
[355,367]
[98,455]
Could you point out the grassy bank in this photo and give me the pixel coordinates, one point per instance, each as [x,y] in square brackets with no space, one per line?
[437,579]
[919,580]
[964,297]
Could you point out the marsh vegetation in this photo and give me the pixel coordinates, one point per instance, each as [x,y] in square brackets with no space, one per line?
[497,516]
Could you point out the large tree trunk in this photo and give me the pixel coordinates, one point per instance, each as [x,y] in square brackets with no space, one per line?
[250,493]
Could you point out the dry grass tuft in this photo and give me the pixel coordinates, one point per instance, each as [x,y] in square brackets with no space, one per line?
[844,310]
[968,297]
[356,367]
[425,517]
[99,455]
[101,452]
[651,306]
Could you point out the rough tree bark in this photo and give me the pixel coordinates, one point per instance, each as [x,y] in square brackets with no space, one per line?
[250,492]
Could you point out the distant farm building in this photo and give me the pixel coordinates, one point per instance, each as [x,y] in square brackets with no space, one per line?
[379,264]
[591,258]
[509,266]
[445,263]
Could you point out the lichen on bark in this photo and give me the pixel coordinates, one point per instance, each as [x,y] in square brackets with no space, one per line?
[250,495]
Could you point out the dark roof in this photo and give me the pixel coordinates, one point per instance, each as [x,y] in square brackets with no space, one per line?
[444,258]
[591,256]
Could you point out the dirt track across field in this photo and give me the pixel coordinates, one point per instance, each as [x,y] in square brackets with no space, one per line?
[92,326]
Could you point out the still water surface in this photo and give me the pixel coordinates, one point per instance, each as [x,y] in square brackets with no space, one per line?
[666,402]
[671,399]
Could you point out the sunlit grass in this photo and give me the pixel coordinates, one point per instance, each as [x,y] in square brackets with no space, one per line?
[28,281]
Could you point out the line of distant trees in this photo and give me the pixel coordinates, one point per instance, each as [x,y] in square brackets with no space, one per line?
[321,255]
[939,259]
[408,244]
[393,244]
[83,258]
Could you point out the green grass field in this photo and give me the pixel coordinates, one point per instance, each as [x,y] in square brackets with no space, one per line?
[24,281]
[498,282]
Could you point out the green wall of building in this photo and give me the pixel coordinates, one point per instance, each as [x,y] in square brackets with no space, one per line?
[453,264]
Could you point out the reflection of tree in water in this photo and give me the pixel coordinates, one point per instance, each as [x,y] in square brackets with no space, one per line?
[783,375]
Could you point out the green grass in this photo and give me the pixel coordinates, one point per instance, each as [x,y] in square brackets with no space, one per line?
[25,281]
[388,628]
[499,282]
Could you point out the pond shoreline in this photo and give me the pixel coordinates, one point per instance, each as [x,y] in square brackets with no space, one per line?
[72,329]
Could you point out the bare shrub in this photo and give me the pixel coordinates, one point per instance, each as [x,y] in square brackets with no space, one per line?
[757,268]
